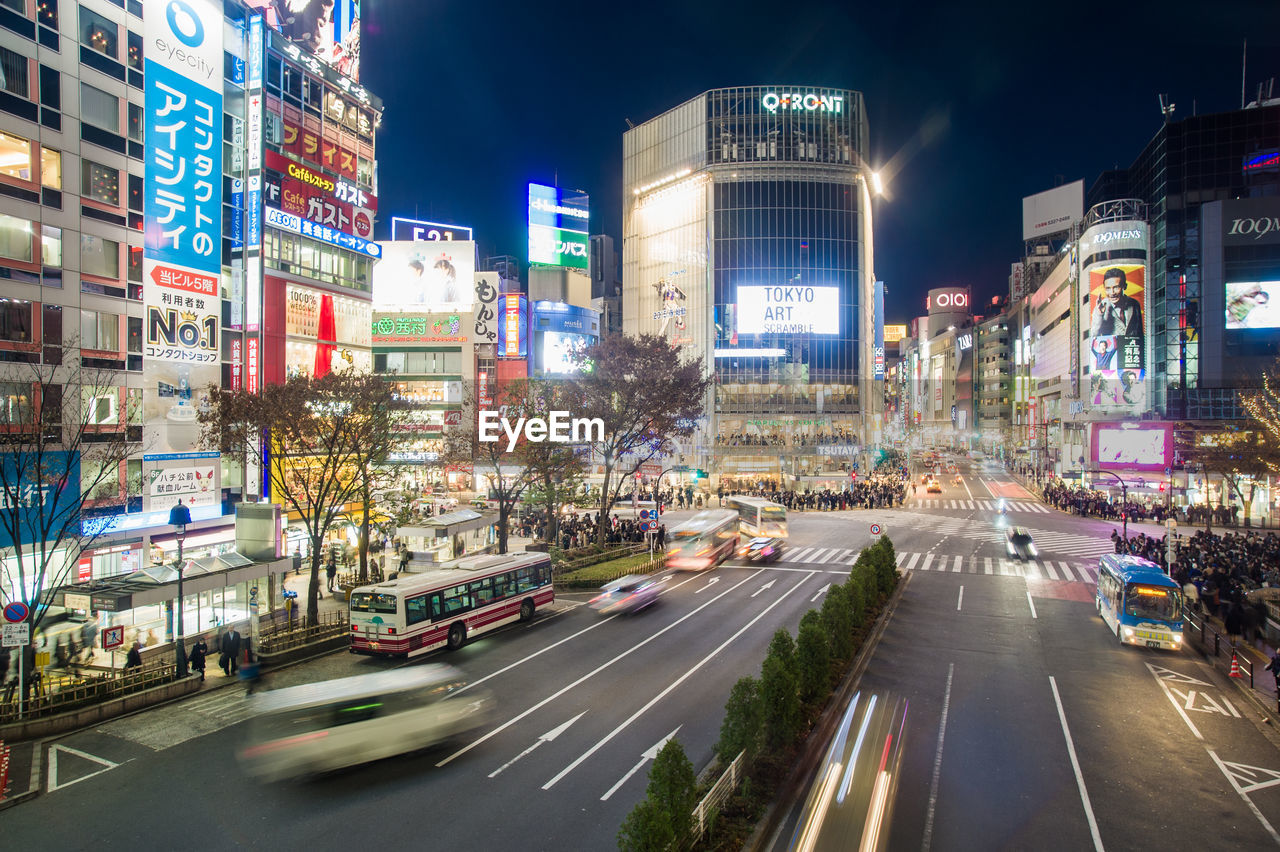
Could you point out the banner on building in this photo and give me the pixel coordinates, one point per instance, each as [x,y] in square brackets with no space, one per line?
[1113,281]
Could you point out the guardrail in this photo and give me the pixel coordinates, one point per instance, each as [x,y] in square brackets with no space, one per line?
[1200,623]
[50,695]
[716,796]
[288,637]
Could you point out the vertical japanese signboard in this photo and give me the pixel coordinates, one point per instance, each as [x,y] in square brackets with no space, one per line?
[182,252]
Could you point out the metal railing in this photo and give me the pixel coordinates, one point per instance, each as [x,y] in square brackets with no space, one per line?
[50,695]
[286,637]
[716,796]
[1199,622]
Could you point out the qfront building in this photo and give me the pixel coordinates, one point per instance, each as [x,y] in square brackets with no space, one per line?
[747,243]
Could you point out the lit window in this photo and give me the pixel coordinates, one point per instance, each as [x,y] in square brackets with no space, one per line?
[51,168]
[100,330]
[50,245]
[98,33]
[15,238]
[99,256]
[15,156]
[100,183]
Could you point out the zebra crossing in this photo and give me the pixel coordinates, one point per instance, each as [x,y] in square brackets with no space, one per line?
[900,523]
[171,725]
[988,505]
[1042,569]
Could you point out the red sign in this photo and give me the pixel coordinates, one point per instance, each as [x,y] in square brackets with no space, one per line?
[251,365]
[453,418]
[190,280]
[310,147]
[237,365]
[482,388]
[84,569]
[113,637]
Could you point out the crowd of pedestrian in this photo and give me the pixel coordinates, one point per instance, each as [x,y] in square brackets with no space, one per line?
[1088,501]
[581,529]
[821,438]
[879,491]
[1218,571]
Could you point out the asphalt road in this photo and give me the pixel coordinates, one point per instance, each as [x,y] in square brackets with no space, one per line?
[611,689]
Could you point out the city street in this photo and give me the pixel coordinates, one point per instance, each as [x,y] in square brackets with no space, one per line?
[1011,653]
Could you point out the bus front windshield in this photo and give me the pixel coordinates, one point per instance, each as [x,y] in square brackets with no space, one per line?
[372,602]
[688,540]
[774,516]
[1152,603]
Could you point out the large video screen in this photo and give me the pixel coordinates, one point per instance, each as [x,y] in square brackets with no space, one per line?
[788,310]
[425,275]
[559,348]
[1147,447]
[1253,304]
[326,29]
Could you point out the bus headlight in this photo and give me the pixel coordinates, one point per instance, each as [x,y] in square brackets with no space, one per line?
[1128,632]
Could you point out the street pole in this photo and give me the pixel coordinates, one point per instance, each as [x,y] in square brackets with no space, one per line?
[180,516]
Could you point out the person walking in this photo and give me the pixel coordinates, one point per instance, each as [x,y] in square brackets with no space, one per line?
[133,659]
[330,571]
[199,651]
[230,655]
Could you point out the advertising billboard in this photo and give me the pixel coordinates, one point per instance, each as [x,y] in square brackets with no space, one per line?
[417,229]
[1114,344]
[182,222]
[1253,304]
[558,227]
[561,330]
[424,275]
[315,149]
[513,326]
[894,333]
[193,479]
[559,349]
[788,310]
[1052,210]
[420,328]
[1132,446]
[296,224]
[1251,221]
[877,346]
[325,29]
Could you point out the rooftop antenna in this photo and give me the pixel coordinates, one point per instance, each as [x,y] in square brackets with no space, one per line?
[1166,109]
[631,124]
[1244,56]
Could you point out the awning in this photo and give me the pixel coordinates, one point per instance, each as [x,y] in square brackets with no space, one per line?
[159,583]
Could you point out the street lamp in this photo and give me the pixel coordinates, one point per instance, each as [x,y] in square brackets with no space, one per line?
[179,517]
[1124,500]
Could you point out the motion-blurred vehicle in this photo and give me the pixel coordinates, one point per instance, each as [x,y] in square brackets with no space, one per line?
[850,802]
[631,593]
[1019,544]
[763,549]
[704,541]
[957,480]
[924,478]
[933,486]
[1002,507]
[320,727]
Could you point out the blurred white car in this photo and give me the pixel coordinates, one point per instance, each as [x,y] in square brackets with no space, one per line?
[631,593]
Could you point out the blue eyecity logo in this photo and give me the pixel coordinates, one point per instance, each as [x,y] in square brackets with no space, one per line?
[182,18]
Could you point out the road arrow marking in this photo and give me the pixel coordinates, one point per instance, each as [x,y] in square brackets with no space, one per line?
[767,585]
[651,754]
[709,584]
[545,738]
[820,593]
[53,766]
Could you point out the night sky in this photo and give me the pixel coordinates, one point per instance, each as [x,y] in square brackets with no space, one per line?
[975,105]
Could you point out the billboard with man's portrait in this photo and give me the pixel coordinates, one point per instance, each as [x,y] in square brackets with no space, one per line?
[1113,283]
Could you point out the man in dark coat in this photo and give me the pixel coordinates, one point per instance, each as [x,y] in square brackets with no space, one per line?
[230,657]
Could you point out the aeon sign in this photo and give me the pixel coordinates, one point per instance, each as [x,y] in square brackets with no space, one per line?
[802,101]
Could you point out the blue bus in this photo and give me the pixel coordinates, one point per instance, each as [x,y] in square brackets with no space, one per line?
[1138,601]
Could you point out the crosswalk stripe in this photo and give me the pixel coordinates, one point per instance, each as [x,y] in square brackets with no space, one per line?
[820,555]
[800,557]
[969,504]
[1053,575]
[986,564]
[928,557]
[1066,571]
[1007,568]
[915,557]
[1088,573]
[899,557]
[958,566]
[847,556]
[1042,509]
[1031,571]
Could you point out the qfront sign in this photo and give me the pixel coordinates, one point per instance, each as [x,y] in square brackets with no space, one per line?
[802,102]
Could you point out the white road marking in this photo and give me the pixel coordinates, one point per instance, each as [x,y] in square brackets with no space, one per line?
[928,557]
[542,740]
[1048,566]
[1075,767]
[636,715]
[1252,807]
[54,750]
[1176,706]
[937,763]
[959,565]
[960,599]
[915,557]
[1031,604]
[650,754]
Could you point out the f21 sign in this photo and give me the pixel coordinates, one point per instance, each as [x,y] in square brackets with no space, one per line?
[789,310]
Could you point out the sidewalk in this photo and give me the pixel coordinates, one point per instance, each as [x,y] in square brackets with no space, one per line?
[1256,653]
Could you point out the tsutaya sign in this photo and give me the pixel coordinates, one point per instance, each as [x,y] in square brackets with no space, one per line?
[807,101]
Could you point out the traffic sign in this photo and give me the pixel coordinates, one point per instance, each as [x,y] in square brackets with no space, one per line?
[16,635]
[112,637]
[875,529]
[15,612]
[649,526]
[1168,470]
[646,514]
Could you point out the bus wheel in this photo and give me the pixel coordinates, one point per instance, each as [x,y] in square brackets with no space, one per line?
[526,610]
[457,635]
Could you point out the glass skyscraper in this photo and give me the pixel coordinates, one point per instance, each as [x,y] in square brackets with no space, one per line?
[747,227]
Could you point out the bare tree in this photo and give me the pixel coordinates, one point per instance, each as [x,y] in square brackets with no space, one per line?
[65,447]
[1238,454]
[646,395]
[312,437]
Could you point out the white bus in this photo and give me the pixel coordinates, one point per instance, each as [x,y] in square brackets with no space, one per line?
[758,518]
[318,727]
[704,541]
[421,612]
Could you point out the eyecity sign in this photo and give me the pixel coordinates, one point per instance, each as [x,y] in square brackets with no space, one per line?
[802,101]
[558,428]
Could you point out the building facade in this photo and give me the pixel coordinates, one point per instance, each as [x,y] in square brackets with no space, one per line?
[747,243]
